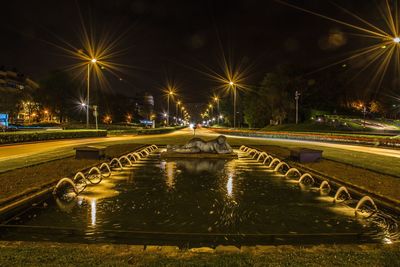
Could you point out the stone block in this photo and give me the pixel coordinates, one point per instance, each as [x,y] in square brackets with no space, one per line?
[90,152]
[305,155]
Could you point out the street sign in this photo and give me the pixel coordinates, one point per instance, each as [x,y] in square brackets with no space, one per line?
[95,113]
[4,119]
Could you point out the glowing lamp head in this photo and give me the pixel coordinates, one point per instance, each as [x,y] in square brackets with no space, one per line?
[396,40]
[231,83]
[93,60]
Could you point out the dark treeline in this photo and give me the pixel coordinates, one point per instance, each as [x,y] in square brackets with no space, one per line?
[272,101]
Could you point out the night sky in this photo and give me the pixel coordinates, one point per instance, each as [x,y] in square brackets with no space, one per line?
[176,39]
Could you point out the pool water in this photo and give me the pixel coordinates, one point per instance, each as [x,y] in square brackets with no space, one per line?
[187,198]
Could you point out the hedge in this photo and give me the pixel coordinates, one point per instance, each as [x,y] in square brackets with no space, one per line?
[18,137]
[160,130]
[122,132]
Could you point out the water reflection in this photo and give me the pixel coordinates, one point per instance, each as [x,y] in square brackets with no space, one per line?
[65,206]
[170,168]
[201,165]
[229,186]
[93,210]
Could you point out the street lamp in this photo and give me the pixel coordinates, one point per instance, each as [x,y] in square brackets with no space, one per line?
[170,93]
[47,114]
[296,97]
[92,61]
[212,109]
[176,111]
[216,99]
[364,111]
[233,85]
[182,109]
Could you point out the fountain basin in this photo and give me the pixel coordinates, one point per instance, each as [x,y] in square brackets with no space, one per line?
[193,202]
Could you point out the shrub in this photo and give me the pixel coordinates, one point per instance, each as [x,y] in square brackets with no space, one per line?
[33,136]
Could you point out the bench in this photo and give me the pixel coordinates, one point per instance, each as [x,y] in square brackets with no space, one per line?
[305,154]
[90,152]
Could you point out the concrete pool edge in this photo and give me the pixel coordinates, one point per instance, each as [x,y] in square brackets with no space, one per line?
[183,239]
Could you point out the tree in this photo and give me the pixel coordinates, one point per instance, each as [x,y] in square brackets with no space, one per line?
[273,99]
[56,92]
[10,101]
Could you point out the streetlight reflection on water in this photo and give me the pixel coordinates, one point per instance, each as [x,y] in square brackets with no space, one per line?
[229,186]
[93,207]
[170,171]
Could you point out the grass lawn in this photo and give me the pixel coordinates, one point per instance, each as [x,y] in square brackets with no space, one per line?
[64,254]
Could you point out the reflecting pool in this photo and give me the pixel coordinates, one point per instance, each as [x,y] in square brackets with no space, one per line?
[185,199]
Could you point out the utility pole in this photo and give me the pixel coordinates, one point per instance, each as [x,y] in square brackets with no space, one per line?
[95,114]
[364,113]
[296,97]
[88,96]
[234,106]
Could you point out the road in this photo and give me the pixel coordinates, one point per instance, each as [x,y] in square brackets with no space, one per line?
[20,155]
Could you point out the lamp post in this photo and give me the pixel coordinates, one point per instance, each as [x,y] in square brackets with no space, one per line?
[234,102]
[364,111]
[216,99]
[170,93]
[296,97]
[176,111]
[92,61]
[96,114]
[47,115]
[211,110]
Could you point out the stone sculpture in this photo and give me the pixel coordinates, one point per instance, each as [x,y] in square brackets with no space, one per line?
[197,145]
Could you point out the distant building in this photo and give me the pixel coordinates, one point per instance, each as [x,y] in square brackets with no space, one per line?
[11,81]
[143,105]
[16,95]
